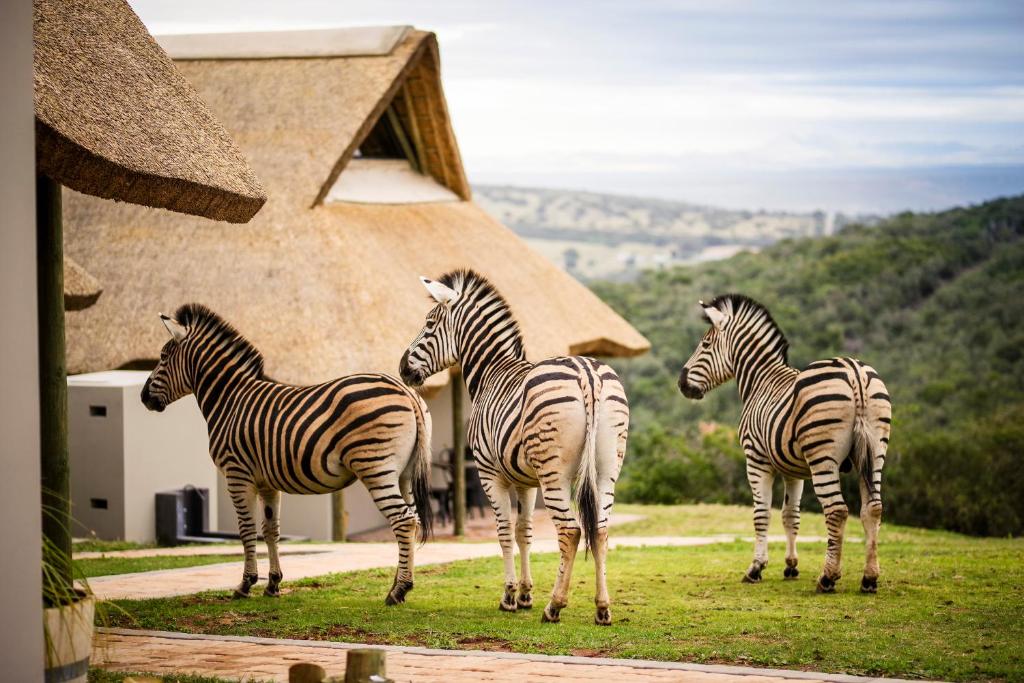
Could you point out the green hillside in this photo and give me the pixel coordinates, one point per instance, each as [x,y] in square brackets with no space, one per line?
[933,301]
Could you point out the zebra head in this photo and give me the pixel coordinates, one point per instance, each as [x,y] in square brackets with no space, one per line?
[168,382]
[711,364]
[434,348]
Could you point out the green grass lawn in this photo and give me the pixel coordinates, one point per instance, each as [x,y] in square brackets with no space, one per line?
[707,520]
[948,606]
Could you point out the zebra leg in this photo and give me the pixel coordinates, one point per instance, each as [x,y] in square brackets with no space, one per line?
[761,477]
[830,495]
[243,495]
[524,537]
[871,518]
[611,450]
[272,535]
[791,521]
[501,502]
[557,498]
[394,503]
[603,616]
[406,543]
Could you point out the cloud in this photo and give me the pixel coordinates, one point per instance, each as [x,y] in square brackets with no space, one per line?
[664,88]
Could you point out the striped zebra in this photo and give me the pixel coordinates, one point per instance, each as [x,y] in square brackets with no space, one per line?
[267,437]
[559,424]
[833,416]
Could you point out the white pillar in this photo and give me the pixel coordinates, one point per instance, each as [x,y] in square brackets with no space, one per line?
[21,629]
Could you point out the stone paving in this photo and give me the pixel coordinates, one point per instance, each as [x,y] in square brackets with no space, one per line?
[344,558]
[264,659]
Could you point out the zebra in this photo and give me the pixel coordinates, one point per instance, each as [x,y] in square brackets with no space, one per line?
[833,416]
[560,424]
[267,437]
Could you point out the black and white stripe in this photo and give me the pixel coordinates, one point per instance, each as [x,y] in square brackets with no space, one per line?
[268,437]
[560,424]
[833,416]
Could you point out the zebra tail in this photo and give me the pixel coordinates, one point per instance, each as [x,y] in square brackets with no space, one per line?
[864,450]
[586,477]
[421,474]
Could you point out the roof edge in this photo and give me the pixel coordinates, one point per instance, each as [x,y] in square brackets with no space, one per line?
[362,41]
[609,348]
[89,173]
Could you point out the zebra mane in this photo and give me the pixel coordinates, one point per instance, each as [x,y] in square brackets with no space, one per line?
[472,284]
[740,303]
[194,315]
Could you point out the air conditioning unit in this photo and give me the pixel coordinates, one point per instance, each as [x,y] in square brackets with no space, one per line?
[122,455]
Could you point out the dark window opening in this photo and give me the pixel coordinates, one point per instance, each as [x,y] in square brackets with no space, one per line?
[97,411]
[98,503]
[389,139]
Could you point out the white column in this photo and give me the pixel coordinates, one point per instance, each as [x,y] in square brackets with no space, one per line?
[21,629]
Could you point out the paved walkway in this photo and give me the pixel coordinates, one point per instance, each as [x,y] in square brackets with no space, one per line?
[241,658]
[316,560]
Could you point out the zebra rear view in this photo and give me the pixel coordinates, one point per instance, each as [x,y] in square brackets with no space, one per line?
[267,437]
[831,417]
[559,424]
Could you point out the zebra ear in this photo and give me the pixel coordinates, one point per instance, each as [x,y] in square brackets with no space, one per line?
[717,318]
[176,329]
[442,293]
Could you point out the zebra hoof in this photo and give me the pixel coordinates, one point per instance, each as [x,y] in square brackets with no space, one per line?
[869,584]
[603,617]
[790,573]
[550,615]
[524,600]
[507,604]
[239,594]
[397,594]
[752,576]
[272,592]
[826,585]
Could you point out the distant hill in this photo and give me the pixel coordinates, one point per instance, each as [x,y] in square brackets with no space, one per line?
[935,302]
[609,236]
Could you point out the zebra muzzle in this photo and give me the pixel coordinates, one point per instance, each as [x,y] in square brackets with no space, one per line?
[687,389]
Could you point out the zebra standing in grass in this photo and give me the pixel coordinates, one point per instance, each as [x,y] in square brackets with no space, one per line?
[833,416]
[559,424]
[268,437]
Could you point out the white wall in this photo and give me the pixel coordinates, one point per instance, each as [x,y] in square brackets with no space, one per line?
[124,454]
[21,628]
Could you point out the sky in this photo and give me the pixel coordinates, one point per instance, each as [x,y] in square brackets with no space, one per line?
[859,106]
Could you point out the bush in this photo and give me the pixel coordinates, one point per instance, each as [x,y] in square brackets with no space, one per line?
[932,301]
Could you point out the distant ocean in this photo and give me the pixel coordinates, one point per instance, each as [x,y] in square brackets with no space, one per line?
[849,190]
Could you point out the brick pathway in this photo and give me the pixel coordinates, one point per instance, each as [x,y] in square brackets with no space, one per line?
[238,658]
[344,558]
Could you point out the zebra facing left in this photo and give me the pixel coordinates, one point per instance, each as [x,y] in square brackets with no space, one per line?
[832,416]
[560,424]
[268,438]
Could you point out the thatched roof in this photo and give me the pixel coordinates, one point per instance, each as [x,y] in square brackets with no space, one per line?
[81,289]
[322,289]
[116,120]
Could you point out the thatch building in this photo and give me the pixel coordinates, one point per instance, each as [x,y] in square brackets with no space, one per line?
[349,131]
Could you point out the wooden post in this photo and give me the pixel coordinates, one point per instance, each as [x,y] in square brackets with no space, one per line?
[459,461]
[53,383]
[365,665]
[339,518]
[306,672]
